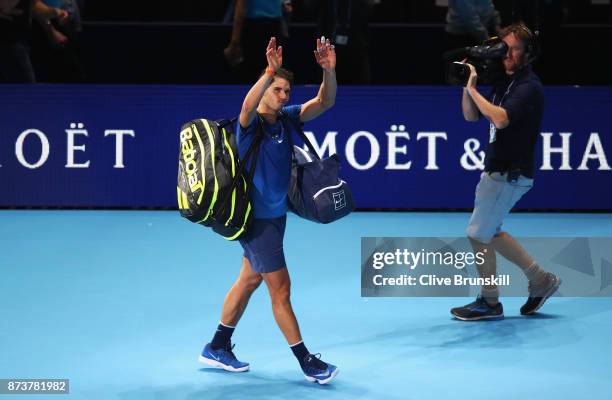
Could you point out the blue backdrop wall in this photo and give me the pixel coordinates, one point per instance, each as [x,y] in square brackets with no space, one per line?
[404,147]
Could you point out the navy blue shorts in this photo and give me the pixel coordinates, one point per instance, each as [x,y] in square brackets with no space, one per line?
[263,244]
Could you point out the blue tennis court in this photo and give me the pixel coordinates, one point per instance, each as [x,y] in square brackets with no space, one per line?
[121,303]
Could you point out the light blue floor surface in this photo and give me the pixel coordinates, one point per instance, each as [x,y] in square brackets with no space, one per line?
[121,304]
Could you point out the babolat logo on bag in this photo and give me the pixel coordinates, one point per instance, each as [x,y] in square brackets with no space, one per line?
[188,153]
[212,188]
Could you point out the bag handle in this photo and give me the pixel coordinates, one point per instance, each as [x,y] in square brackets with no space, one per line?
[224,122]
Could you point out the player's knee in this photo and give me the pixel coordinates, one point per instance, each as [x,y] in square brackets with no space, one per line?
[250,283]
[281,296]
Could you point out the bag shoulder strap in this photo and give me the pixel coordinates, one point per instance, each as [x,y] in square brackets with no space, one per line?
[255,147]
[252,154]
[298,128]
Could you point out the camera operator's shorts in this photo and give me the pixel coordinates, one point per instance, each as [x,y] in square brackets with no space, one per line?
[495,197]
[263,244]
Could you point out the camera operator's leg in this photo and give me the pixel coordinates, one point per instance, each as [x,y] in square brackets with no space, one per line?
[542,284]
[511,249]
[540,281]
[508,247]
[490,207]
[490,293]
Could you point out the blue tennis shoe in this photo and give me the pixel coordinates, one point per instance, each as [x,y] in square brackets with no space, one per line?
[318,371]
[222,358]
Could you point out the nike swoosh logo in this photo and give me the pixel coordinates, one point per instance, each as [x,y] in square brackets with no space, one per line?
[213,356]
[325,375]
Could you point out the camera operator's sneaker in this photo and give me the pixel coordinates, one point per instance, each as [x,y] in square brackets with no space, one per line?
[316,370]
[222,358]
[538,294]
[478,310]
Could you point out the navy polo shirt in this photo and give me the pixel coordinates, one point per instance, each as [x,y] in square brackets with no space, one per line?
[271,179]
[522,96]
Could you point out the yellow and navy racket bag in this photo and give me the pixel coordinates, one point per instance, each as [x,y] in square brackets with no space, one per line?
[213,186]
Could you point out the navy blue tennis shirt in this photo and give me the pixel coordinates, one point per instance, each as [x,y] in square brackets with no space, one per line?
[522,96]
[271,179]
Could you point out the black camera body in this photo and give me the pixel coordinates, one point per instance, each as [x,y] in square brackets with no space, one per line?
[487,59]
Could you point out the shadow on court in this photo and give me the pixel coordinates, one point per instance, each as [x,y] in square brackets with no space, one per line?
[254,386]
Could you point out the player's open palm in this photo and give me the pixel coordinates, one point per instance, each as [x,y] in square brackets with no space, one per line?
[274,55]
[325,54]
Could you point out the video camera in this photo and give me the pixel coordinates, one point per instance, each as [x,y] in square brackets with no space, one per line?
[487,59]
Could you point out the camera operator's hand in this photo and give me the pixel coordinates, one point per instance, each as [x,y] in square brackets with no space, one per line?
[473,104]
[471,83]
[62,16]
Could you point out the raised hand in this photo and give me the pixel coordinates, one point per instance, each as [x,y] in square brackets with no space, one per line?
[325,54]
[471,83]
[274,55]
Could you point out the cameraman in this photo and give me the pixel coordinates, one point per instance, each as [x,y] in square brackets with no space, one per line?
[514,108]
